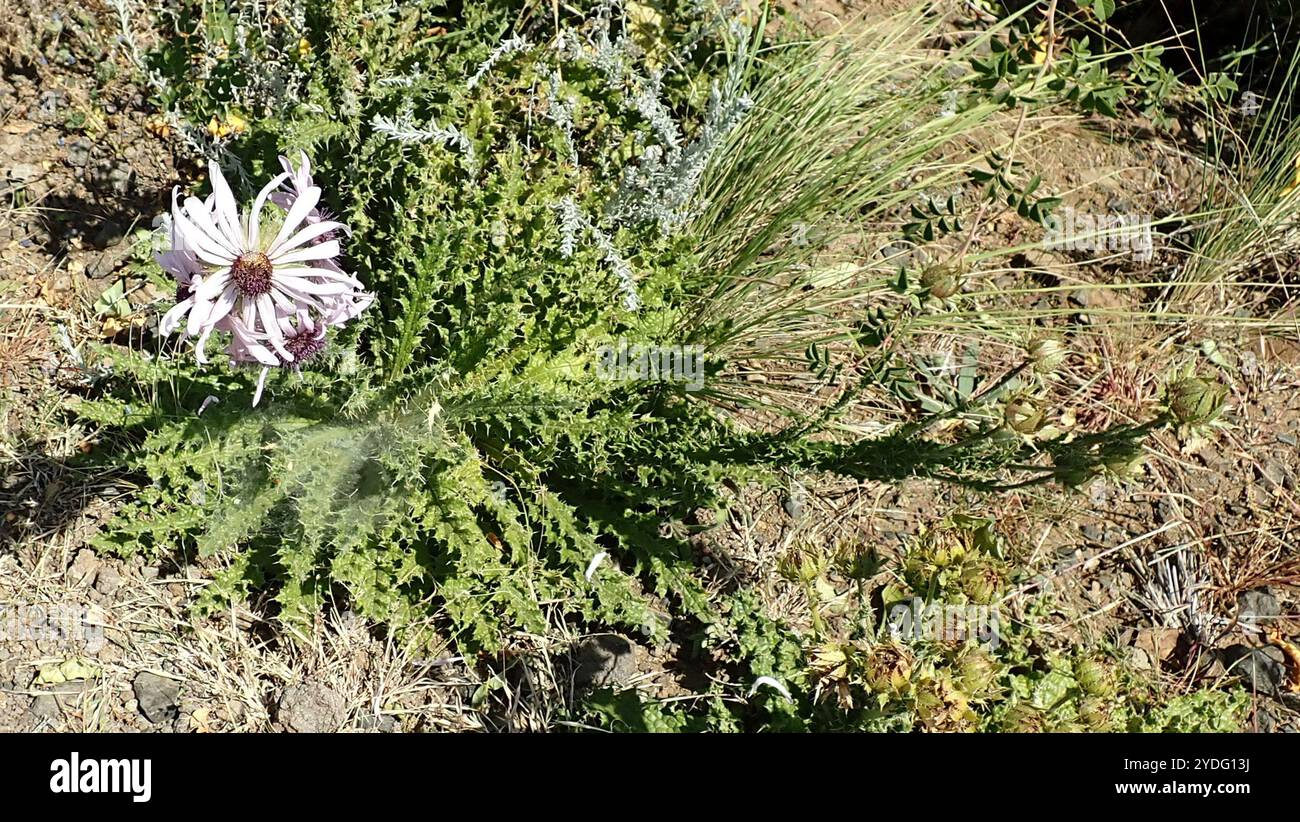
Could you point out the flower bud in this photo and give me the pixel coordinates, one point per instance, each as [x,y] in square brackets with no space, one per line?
[1094,678]
[942,281]
[1023,416]
[800,565]
[981,583]
[977,670]
[1196,401]
[887,669]
[1094,713]
[1046,355]
[1125,461]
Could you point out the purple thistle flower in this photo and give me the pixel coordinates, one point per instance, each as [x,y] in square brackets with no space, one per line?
[268,276]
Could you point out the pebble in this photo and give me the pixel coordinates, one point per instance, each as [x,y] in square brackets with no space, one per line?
[157,696]
[311,708]
[26,172]
[79,152]
[603,661]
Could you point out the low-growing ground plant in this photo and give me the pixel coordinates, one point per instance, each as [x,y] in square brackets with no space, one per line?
[623,258]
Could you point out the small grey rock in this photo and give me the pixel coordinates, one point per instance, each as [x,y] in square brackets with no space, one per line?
[108,262]
[1139,659]
[1256,605]
[51,100]
[603,661]
[85,566]
[158,697]
[44,707]
[311,708]
[794,501]
[108,580]
[25,172]
[383,723]
[1261,668]
[79,152]
[1273,473]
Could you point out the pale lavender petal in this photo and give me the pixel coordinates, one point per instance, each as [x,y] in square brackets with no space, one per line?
[172,319]
[321,251]
[223,306]
[198,316]
[302,298]
[213,285]
[255,216]
[205,248]
[261,383]
[309,233]
[312,271]
[303,204]
[266,310]
[227,211]
[196,239]
[204,219]
[199,355]
[282,302]
[179,263]
[320,289]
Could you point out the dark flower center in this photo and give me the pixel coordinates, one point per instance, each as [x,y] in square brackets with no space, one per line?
[252,273]
[303,346]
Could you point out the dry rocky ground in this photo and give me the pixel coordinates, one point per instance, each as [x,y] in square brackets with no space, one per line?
[95,643]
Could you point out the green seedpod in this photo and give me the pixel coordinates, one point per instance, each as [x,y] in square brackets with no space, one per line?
[1025,719]
[981,582]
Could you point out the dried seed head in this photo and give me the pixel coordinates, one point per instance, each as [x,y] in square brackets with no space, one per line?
[887,669]
[978,671]
[981,583]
